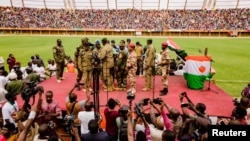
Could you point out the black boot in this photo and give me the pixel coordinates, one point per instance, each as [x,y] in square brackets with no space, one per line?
[164,92]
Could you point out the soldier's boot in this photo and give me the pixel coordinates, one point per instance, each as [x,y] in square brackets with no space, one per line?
[117,88]
[123,87]
[145,89]
[104,86]
[109,89]
[164,92]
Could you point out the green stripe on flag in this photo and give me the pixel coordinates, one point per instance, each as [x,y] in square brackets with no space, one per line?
[195,81]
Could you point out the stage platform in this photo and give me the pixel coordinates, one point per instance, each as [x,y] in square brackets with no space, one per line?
[218,104]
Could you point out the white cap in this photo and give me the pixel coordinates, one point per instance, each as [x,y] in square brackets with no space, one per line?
[12,76]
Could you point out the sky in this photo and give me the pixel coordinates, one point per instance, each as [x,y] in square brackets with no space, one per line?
[124,4]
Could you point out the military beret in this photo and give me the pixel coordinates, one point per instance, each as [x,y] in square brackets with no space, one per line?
[132,45]
[165,44]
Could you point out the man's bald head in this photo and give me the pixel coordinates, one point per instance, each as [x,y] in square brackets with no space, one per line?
[43,129]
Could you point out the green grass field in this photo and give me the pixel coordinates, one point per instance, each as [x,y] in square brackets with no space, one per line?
[230,55]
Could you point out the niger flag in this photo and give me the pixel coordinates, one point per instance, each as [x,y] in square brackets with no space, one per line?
[196,70]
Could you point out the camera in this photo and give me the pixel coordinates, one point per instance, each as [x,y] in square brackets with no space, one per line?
[138,110]
[69,122]
[157,101]
[51,124]
[184,105]
[236,102]
[145,101]
[95,60]
[183,94]
[130,95]
[30,90]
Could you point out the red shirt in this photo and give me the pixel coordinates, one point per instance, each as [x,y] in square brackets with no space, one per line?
[110,116]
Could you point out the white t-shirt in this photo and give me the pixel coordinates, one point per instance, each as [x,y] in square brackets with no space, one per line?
[155,133]
[40,71]
[52,68]
[3,81]
[85,117]
[3,92]
[7,110]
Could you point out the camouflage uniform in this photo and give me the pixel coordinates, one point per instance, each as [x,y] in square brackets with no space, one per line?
[131,68]
[139,51]
[121,69]
[165,60]
[86,67]
[78,63]
[149,65]
[59,57]
[106,55]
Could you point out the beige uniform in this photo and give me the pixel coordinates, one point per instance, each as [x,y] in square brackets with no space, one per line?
[149,65]
[106,55]
[165,60]
[85,66]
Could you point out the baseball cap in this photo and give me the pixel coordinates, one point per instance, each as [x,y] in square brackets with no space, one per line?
[12,76]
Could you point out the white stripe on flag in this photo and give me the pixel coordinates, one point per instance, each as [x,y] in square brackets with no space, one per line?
[197,67]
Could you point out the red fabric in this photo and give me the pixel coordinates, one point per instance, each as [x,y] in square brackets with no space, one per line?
[177,85]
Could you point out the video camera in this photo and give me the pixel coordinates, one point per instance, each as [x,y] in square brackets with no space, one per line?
[30,90]
[69,122]
[95,60]
[130,95]
[157,101]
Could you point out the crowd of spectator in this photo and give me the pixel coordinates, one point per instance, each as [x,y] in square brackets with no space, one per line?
[157,20]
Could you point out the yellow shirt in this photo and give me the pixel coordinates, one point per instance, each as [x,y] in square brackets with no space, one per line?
[138,51]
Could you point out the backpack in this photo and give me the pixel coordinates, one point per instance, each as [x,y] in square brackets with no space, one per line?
[123,135]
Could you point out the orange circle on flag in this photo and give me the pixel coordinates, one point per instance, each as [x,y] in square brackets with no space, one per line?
[202,69]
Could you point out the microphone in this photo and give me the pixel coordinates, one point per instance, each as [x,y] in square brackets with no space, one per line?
[200,51]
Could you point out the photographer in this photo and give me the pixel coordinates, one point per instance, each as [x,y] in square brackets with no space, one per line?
[161,122]
[22,136]
[73,108]
[122,122]
[175,117]
[10,107]
[110,115]
[50,109]
[21,117]
[85,116]
[195,125]
[94,132]
[138,128]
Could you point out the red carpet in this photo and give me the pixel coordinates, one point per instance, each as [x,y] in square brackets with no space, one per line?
[218,104]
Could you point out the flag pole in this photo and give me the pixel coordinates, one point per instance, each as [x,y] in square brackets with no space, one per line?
[209,77]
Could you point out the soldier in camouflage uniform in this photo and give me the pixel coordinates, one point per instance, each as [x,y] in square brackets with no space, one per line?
[131,67]
[106,56]
[77,62]
[149,65]
[86,66]
[121,67]
[96,51]
[59,57]
[165,66]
